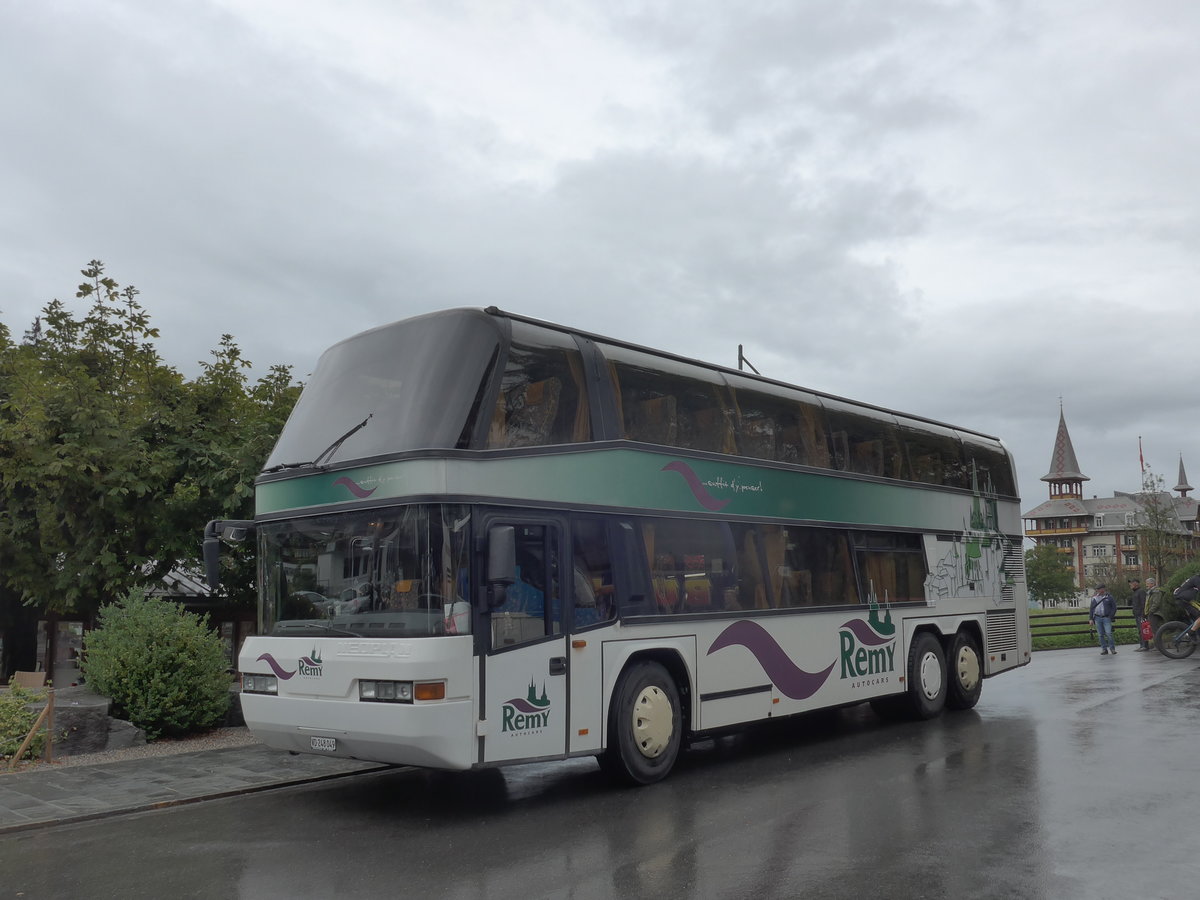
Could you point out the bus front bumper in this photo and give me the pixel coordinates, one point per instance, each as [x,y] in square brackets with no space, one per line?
[431,735]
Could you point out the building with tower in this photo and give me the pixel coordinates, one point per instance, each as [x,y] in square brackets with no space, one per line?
[1103,535]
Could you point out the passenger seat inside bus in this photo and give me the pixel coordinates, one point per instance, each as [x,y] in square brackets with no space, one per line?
[653,421]
[525,415]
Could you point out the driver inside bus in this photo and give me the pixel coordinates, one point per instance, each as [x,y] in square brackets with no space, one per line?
[593,594]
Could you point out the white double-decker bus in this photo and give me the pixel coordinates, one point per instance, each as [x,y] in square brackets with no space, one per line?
[485,539]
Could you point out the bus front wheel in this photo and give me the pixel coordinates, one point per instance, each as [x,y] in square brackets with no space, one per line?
[966,673]
[645,725]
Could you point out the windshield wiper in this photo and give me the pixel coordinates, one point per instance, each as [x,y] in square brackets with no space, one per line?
[314,626]
[328,451]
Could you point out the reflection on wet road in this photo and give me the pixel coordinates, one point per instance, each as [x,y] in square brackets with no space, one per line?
[1063,783]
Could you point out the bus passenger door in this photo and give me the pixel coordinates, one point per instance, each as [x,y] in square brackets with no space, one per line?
[523,676]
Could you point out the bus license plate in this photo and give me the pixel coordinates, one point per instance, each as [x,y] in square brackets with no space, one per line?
[327,745]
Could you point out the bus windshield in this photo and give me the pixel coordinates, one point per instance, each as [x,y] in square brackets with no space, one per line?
[419,382]
[401,572]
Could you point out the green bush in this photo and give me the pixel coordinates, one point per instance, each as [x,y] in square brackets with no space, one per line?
[16,720]
[162,667]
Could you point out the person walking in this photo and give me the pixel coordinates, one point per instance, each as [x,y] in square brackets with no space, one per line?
[1100,613]
[1138,602]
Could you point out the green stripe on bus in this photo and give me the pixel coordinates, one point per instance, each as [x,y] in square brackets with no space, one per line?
[637,480]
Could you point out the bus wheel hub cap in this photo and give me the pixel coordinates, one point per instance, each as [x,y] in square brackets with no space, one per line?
[652,715]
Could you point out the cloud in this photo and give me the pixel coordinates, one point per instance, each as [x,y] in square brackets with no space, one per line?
[966,210]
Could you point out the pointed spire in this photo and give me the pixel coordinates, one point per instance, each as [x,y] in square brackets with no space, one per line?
[1064,466]
[1183,487]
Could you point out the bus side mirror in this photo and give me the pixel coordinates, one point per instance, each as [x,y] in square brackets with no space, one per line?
[502,562]
[214,531]
[212,554]
[212,562]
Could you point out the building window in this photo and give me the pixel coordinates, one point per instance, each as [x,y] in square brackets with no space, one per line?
[1130,520]
[1099,521]
[1131,559]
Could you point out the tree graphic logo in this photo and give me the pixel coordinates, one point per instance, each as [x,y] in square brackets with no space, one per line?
[526,715]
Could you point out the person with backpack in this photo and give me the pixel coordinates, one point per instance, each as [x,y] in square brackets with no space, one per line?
[1101,612]
[1188,594]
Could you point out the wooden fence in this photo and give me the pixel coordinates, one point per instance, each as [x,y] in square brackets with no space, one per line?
[1076,623]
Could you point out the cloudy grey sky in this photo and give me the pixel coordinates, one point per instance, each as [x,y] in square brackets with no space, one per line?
[965,209]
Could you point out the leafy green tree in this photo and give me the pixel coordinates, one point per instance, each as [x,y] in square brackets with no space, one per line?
[235,424]
[1048,575]
[1162,540]
[110,461]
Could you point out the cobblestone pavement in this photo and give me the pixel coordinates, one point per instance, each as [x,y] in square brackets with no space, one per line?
[155,776]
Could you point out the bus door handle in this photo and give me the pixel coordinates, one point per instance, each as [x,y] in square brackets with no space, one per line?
[558,665]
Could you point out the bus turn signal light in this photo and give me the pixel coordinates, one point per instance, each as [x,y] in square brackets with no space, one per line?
[429,690]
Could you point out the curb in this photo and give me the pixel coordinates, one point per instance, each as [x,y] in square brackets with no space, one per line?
[185,801]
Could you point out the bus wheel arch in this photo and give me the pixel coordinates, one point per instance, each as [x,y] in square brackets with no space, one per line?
[647,720]
[964,662]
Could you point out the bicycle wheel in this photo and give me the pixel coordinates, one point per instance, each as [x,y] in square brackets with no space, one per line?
[1173,641]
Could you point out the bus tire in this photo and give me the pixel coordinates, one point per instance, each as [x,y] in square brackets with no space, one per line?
[645,725]
[965,665]
[927,679]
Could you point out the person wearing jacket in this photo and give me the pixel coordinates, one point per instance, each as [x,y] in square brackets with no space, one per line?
[1100,613]
[1138,603]
[1156,609]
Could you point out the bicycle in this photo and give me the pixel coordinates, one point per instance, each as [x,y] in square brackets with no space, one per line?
[1178,640]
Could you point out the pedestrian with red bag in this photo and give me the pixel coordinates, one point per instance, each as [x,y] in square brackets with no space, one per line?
[1156,608]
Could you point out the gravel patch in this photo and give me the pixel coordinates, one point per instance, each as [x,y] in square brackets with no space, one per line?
[217,739]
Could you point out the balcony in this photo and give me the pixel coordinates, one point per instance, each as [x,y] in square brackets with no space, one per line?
[1055,532]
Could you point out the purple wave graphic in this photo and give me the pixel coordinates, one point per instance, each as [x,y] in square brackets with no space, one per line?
[525,706]
[280,671]
[792,681]
[866,634]
[360,492]
[707,500]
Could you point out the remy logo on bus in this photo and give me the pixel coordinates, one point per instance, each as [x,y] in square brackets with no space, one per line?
[525,715]
[310,666]
[868,649]
[306,666]
[867,652]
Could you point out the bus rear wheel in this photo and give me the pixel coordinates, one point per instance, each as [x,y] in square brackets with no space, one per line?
[926,676]
[966,673]
[645,725]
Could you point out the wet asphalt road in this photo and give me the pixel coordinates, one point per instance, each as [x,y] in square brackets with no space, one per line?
[1065,782]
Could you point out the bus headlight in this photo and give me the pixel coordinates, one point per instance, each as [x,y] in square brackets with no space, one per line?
[259,684]
[386,691]
[401,691]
